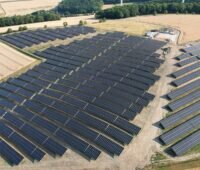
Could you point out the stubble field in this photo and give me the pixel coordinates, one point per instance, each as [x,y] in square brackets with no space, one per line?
[21,7]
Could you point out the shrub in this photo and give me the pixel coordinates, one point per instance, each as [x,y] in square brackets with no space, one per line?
[9,30]
[81,23]
[65,24]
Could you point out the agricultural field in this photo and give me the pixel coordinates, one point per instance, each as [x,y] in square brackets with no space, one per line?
[125,25]
[188,24]
[12,61]
[21,7]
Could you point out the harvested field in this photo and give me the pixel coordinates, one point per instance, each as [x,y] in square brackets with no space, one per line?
[125,25]
[2,12]
[21,7]
[12,61]
[188,24]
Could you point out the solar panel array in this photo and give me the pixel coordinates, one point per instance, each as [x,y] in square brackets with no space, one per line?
[82,97]
[182,126]
[34,37]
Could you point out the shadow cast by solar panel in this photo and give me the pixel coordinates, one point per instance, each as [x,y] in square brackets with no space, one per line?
[7,161]
[166,107]
[157,124]
[177,65]
[165,96]
[172,84]
[175,58]
[159,141]
[169,152]
[171,76]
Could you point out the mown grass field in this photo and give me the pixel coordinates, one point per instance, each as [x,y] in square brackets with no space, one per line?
[125,25]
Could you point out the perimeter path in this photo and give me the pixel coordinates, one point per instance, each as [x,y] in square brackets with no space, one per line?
[13,62]
[70,20]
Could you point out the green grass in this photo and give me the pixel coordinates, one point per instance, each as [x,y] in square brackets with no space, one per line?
[193,150]
[178,166]
[158,157]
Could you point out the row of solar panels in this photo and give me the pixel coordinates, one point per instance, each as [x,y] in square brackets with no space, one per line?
[29,38]
[182,126]
[81,97]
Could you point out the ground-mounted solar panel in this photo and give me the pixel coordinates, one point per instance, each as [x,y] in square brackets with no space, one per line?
[28,38]
[191,97]
[50,145]
[80,129]
[192,47]
[21,143]
[186,78]
[180,130]
[185,70]
[83,94]
[187,61]
[9,154]
[196,52]
[83,116]
[183,56]
[182,90]
[181,114]
[187,143]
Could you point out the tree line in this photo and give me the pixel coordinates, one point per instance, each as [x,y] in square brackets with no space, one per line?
[39,16]
[71,7]
[64,8]
[125,11]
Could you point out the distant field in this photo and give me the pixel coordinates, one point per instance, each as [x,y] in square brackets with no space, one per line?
[12,61]
[21,7]
[125,25]
[188,24]
[70,20]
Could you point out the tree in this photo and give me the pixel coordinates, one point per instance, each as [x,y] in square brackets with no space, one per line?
[148,8]
[65,24]
[81,23]
[38,16]
[9,30]
[79,6]
[20,29]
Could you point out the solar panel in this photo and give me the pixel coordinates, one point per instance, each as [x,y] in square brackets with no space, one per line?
[183,56]
[187,143]
[194,96]
[187,61]
[186,78]
[182,114]
[20,142]
[180,130]
[9,154]
[186,70]
[86,107]
[182,90]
